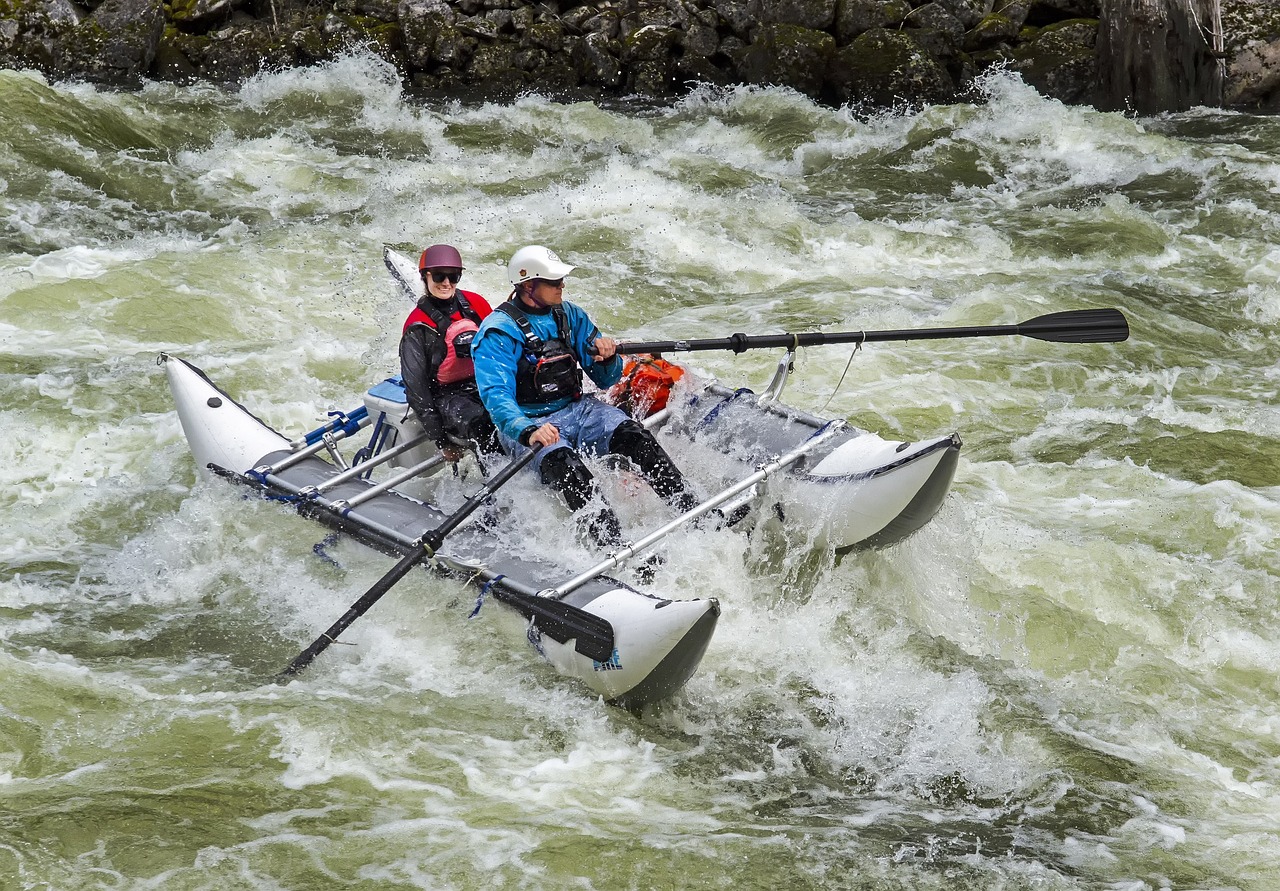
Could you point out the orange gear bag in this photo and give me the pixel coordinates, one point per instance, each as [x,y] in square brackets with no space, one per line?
[645,386]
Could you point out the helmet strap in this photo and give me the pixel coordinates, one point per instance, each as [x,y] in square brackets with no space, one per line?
[525,290]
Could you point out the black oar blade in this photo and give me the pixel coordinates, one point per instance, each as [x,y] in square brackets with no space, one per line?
[592,635]
[1078,326]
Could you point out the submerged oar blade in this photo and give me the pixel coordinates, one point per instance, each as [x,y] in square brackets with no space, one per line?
[1078,326]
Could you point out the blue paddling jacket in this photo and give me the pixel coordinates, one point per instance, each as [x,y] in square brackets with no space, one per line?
[500,345]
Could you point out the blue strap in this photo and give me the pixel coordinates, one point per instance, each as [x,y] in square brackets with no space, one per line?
[342,422]
[823,429]
[260,478]
[711,415]
[320,549]
[483,591]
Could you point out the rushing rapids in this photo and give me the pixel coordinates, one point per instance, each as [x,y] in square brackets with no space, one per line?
[1067,679]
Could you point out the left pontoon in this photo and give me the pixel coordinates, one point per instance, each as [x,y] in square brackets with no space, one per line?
[658,643]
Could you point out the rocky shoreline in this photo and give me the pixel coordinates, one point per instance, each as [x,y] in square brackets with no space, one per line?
[861,52]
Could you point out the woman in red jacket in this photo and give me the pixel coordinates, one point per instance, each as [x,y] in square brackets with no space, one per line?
[435,357]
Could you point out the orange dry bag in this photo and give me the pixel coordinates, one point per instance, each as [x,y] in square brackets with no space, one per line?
[645,386]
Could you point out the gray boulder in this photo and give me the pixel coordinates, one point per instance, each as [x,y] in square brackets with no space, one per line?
[1253,77]
[1060,60]
[736,16]
[597,61]
[993,30]
[888,67]
[199,15]
[854,17]
[429,34]
[819,15]
[116,44]
[30,32]
[789,56]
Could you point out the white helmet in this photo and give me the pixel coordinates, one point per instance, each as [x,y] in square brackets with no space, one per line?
[536,261]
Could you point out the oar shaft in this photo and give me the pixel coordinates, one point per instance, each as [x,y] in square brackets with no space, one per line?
[619,557]
[424,547]
[491,486]
[1076,326]
[358,609]
[739,343]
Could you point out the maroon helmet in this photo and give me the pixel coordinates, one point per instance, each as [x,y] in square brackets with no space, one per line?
[440,256]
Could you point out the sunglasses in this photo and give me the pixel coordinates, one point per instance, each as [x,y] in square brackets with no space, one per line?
[556,283]
[439,275]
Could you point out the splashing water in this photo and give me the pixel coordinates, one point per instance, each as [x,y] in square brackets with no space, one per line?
[1067,680]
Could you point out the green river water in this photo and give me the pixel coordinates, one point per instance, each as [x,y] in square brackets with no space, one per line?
[1068,680]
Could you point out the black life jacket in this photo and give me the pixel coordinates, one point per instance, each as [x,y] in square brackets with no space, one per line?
[547,370]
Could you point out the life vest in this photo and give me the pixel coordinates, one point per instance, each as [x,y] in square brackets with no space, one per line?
[645,386]
[458,331]
[548,370]
[457,364]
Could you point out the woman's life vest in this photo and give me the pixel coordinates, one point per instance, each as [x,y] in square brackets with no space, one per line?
[547,370]
[457,364]
[457,330]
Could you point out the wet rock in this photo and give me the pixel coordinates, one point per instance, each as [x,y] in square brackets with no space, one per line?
[1060,61]
[888,67]
[936,30]
[818,15]
[736,16]
[597,61]
[967,12]
[430,36]
[116,44]
[1252,35]
[699,40]
[548,36]
[992,30]
[606,22]
[1254,77]
[864,51]
[497,65]
[789,56]
[30,31]
[652,43]
[200,15]
[854,17]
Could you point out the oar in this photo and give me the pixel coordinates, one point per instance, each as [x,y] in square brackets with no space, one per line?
[595,635]
[832,429]
[1073,326]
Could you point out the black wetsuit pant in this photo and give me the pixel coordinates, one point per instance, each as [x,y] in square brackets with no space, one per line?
[564,471]
[464,419]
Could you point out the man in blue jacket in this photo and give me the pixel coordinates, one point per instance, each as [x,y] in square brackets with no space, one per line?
[529,355]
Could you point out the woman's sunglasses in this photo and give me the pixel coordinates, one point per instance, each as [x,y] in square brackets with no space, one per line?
[439,275]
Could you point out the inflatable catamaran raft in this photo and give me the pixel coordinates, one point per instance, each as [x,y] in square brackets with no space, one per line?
[629,645]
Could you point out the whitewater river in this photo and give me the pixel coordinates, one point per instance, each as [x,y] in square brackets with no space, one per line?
[1067,680]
